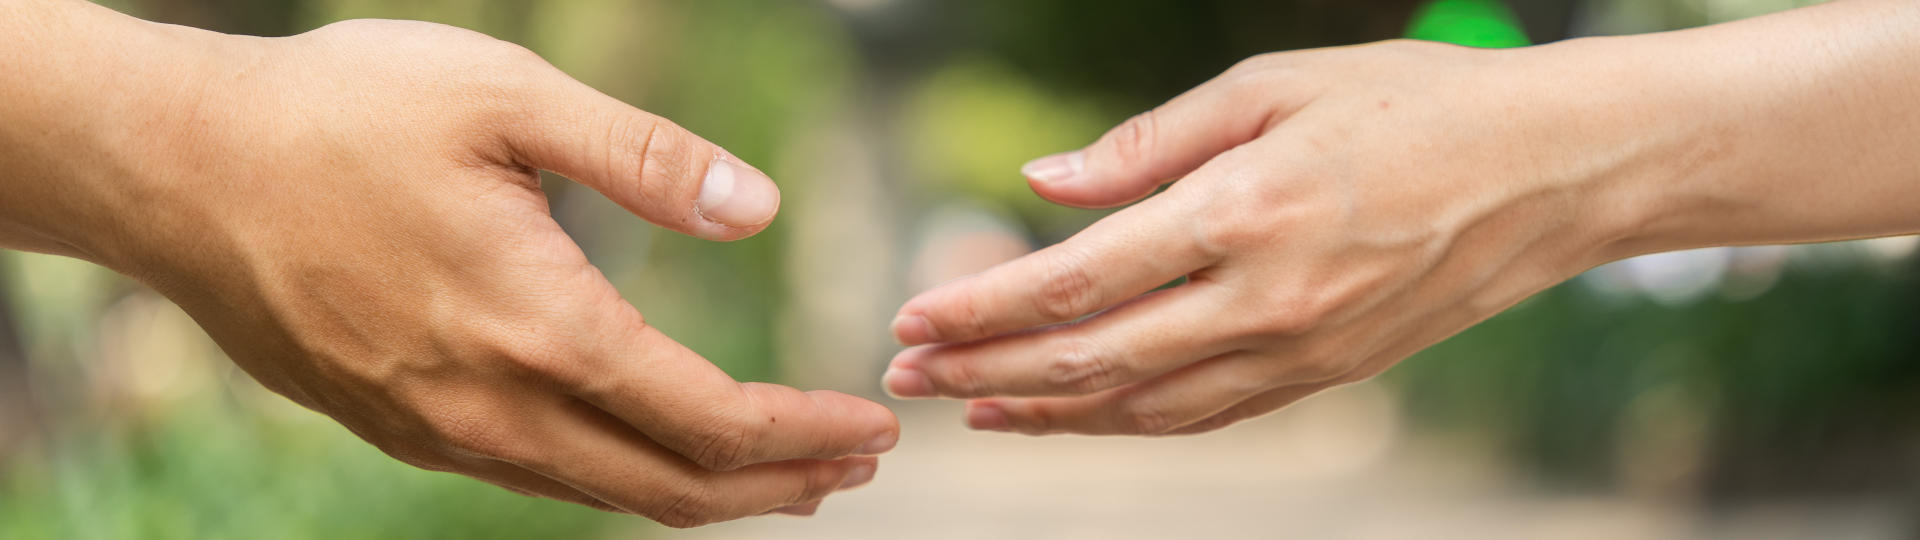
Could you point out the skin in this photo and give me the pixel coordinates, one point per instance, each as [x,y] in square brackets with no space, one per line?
[354,215]
[1338,210]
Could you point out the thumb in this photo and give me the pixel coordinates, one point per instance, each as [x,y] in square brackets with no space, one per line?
[1156,147]
[652,167]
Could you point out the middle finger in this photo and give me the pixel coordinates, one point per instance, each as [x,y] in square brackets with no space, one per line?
[1147,337]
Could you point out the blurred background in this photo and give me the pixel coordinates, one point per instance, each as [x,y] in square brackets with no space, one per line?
[1763,392]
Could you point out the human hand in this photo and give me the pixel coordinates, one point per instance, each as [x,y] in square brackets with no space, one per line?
[354,215]
[1337,211]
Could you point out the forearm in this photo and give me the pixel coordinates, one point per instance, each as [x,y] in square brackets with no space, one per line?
[1798,127]
[89,101]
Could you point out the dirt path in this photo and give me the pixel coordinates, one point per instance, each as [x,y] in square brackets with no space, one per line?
[1337,466]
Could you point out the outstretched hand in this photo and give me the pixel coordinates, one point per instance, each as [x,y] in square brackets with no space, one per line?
[1336,211]
[354,215]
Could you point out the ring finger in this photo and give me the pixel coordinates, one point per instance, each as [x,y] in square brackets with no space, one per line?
[1152,407]
[1139,340]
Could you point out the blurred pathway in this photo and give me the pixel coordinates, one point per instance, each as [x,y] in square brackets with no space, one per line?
[1332,467]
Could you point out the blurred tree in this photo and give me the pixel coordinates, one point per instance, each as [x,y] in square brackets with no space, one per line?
[254,17]
[1547,20]
[18,423]
[1142,53]
[1473,23]
[1806,388]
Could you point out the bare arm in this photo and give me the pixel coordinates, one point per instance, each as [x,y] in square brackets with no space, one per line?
[1337,210]
[353,215]
[1802,126]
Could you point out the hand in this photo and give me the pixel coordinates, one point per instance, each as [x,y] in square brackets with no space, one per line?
[353,214]
[1337,210]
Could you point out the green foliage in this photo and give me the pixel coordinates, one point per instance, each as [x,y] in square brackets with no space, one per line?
[214,471]
[984,86]
[973,123]
[1473,23]
[1828,353]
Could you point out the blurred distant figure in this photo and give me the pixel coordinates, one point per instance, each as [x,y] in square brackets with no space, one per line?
[958,240]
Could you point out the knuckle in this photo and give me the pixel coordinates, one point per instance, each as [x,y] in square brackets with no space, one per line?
[1239,217]
[965,322]
[726,445]
[1258,62]
[375,28]
[960,379]
[541,354]
[1143,418]
[820,482]
[692,505]
[1220,237]
[468,433]
[664,163]
[1067,291]
[1083,367]
[1314,367]
[630,145]
[509,53]
[1288,321]
[1253,78]
[1270,73]
[429,40]
[1132,141]
[1292,315]
[1414,46]
[1036,421]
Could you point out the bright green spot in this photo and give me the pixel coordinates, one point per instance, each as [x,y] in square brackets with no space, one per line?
[1473,23]
[974,122]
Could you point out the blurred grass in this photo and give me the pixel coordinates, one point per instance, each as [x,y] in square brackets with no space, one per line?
[211,471]
[1811,382]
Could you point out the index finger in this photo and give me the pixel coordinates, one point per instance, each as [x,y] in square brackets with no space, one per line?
[690,406]
[1123,256]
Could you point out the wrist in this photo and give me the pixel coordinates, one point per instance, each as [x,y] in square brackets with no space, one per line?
[1788,128]
[97,115]
[1632,146]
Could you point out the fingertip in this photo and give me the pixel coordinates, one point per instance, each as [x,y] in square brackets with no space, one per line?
[879,444]
[799,510]
[849,406]
[906,383]
[735,201]
[910,357]
[1067,179]
[860,472]
[910,330]
[1057,168]
[883,428]
[1090,192]
[987,415]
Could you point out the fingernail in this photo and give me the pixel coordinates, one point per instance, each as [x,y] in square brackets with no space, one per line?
[859,476]
[987,417]
[906,383]
[1056,167]
[735,195]
[879,445]
[912,330]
